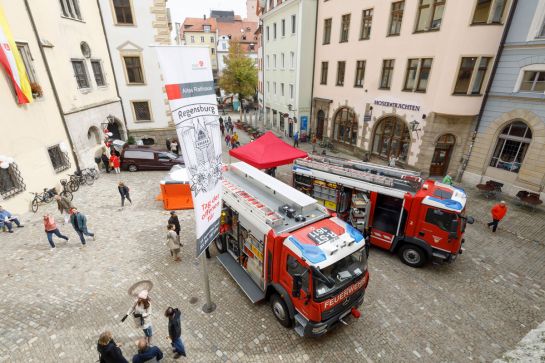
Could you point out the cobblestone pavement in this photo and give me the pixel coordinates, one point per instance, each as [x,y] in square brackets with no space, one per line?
[54,304]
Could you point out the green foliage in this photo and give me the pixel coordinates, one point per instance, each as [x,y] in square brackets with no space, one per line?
[240,74]
[131,140]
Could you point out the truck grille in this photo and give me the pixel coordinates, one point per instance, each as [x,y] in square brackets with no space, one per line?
[343,306]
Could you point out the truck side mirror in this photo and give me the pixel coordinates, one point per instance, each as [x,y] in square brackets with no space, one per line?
[470,220]
[297,285]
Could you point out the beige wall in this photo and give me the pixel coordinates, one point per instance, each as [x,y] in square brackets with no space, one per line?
[29,129]
[207,42]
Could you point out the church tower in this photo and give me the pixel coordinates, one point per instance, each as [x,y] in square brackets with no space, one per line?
[251,7]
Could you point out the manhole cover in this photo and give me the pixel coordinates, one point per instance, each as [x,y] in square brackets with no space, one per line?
[193,300]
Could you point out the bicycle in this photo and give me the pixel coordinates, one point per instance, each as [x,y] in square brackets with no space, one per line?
[45,197]
[78,179]
[65,190]
[93,172]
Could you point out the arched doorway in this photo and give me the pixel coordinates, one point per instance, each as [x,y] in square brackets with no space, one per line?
[320,125]
[345,126]
[392,138]
[441,156]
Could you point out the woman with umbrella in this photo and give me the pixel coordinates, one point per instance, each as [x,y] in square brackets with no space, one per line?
[141,312]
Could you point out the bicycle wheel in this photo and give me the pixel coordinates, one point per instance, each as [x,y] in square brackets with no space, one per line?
[95,174]
[35,204]
[88,179]
[67,194]
[73,185]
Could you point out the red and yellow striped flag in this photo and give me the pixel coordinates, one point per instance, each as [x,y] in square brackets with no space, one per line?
[13,63]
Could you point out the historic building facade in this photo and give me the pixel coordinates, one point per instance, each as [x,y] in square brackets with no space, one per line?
[202,32]
[288,50]
[132,27]
[510,143]
[401,78]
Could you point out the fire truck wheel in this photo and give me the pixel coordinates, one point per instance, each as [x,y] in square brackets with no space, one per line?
[412,255]
[280,310]
[220,244]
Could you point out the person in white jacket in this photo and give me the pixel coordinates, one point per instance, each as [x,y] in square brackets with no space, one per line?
[141,312]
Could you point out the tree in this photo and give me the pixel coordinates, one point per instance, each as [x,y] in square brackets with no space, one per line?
[240,74]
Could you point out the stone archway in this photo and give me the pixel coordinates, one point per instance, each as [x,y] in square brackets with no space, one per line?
[391,137]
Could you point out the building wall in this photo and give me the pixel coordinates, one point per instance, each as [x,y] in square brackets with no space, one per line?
[210,40]
[63,37]
[150,27]
[29,129]
[446,47]
[524,50]
[300,75]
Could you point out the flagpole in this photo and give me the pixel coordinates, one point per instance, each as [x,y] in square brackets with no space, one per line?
[209,306]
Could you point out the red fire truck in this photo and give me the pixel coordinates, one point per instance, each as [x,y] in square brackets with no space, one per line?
[280,244]
[420,220]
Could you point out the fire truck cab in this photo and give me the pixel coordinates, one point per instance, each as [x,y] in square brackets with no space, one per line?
[397,210]
[280,244]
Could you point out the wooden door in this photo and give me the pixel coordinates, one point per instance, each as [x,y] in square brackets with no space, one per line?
[441,155]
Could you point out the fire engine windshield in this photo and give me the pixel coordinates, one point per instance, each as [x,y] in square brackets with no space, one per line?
[342,272]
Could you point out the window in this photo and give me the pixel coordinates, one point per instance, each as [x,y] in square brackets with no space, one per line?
[283,27]
[292,60]
[134,154]
[274,31]
[274,61]
[291,91]
[123,12]
[366,22]
[268,33]
[59,159]
[80,72]
[213,51]
[282,58]
[345,28]
[294,268]
[134,70]
[97,71]
[396,17]
[511,147]
[327,31]
[533,81]
[430,15]
[340,73]
[211,39]
[293,24]
[360,72]
[274,88]
[471,75]
[345,126]
[70,9]
[282,89]
[267,62]
[391,138]
[489,11]
[11,182]
[323,74]
[192,39]
[24,50]
[206,28]
[387,73]
[418,73]
[141,110]
[268,86]
[441,219]
[202,39]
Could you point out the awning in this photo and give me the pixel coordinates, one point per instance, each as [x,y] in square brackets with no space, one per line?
[267,151]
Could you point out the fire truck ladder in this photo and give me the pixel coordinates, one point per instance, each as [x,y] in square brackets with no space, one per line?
[372,173]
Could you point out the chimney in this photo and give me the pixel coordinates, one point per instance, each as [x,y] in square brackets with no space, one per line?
[204,16]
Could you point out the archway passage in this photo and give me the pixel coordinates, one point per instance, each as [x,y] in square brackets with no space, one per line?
[441,156]
[320,125]
[115,128]
[392,138]
[345,126]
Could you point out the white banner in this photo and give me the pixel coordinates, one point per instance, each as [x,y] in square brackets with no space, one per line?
[189,84]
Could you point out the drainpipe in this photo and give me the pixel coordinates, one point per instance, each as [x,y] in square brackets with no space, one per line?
[53,87]
[313,74]
[113,71]
[488,87]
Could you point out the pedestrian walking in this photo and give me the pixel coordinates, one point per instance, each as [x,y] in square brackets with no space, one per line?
[174,146]
[79,222]
[392,161]
[141,312]
[228,140]
[175,332]
[115,163]
[64,205]
[235,139]
[108,350]
[124,192]
[221,121]
[105,162]
[7,220]
[447,179]
[222,129]
[174,221]
[51,229]
[146,352]
[296,139]
[173,243]
[498,212]
[314,140]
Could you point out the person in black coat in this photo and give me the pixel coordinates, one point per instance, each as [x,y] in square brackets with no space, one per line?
[105,161]
[124,192]
[175,221]
[175,331]
[108,350]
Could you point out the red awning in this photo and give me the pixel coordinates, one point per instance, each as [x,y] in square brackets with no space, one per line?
[267,151]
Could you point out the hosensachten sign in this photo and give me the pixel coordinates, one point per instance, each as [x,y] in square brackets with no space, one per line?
[398,105]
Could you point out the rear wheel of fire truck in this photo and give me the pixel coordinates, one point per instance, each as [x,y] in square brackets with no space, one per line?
[280,310]
[220,244]
[412,255]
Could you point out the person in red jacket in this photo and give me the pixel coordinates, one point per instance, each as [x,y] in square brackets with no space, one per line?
[498,212]
[115,163]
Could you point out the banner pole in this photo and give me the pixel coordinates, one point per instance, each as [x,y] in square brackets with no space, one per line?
[209,306]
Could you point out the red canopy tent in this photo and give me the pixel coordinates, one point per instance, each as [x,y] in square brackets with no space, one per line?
[267,151]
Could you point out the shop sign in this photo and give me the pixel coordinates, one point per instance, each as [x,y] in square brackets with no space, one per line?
[396,104]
